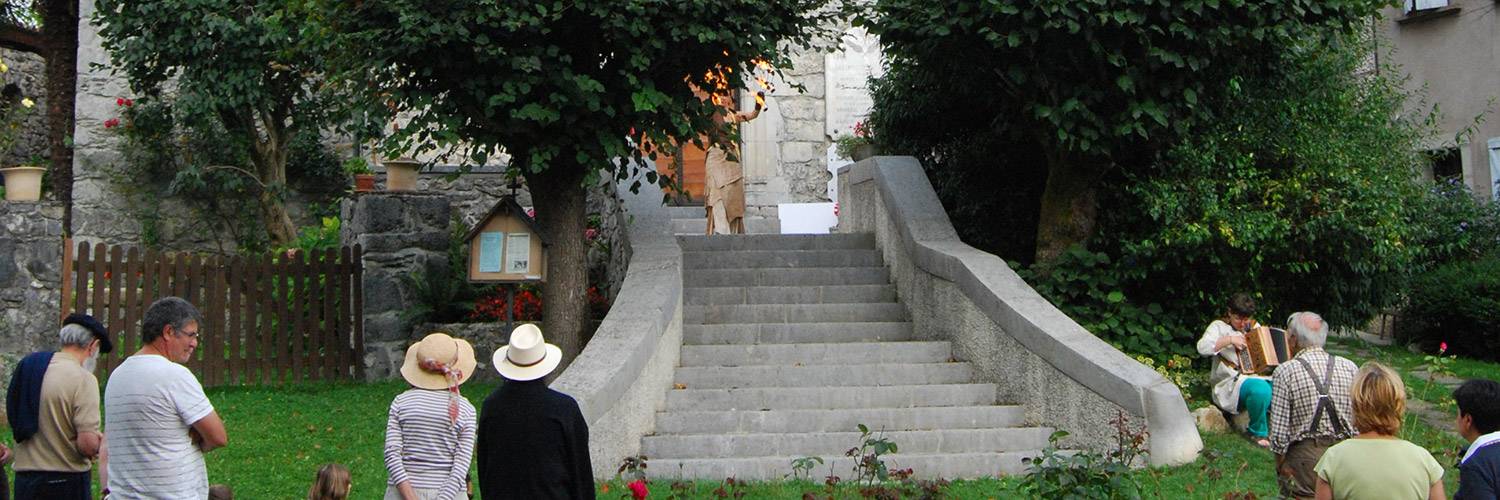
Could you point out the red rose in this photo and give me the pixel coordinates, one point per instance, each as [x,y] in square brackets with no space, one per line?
[638,489]
[129,103]
[111,123]
[590,233]
[119,101]
[1442,347]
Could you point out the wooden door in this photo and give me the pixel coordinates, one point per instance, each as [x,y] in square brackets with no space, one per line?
[694,160]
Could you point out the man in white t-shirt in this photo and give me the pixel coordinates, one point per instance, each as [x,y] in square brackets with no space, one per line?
[158,421]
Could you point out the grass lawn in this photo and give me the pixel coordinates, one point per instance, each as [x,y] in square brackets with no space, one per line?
[280,435]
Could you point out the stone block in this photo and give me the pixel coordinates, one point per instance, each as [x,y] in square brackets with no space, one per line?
[385,327]
[822,353]
[801,152]
[1210,420]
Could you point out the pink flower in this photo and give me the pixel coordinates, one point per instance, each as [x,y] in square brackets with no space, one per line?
[1442,347]
[835,209]
[638,489]
[590,233]
[111,123]
[531,212]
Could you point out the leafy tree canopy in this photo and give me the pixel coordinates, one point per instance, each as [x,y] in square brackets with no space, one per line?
[554,82]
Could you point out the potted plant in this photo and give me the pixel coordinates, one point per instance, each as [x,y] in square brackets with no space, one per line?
[364,178]
[856,146]
[22,183]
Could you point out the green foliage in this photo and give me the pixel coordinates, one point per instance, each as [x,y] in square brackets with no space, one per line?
[357,166]
[1089,288]
[869,466]
[1301,195]
[312,166]
[1452,224]
[1076,475]
[1457,303]
[1087,77]
[571,84]
[323,236]
[244,70]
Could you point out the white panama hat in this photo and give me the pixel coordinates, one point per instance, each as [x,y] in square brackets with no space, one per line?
[528,356]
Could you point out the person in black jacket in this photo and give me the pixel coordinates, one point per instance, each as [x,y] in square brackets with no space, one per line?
[1479,423]
[533,441]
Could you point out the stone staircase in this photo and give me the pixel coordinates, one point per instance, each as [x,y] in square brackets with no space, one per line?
[790,342]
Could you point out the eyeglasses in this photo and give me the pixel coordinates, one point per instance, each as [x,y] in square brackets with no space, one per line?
[193,334]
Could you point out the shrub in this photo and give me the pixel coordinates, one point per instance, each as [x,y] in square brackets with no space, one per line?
[1457,303]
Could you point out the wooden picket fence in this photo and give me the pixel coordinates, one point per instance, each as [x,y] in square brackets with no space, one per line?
[267,319]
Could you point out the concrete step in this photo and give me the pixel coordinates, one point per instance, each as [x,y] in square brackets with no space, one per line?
[794,313]
[928,418]
[787,276]
[754,259]
[927,466]
[833,294]
[829,443]
[726,377]
[753,225]
[812,398]
[848,353]
[793,333]
[696,212]
[842,241]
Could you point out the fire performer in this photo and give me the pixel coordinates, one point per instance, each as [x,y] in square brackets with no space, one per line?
[725,179]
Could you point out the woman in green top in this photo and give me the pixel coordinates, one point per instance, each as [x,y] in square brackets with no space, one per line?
[1377,464]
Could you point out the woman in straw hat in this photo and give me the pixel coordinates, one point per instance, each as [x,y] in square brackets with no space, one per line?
[429,436]
[533,441]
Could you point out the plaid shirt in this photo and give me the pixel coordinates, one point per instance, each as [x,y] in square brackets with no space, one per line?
[1294,399]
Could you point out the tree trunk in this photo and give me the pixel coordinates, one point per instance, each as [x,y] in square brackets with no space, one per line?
[559,196]
[60,33]
[1068,207]
[269,154]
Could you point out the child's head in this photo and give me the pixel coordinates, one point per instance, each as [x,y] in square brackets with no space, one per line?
[1239,311]
[1478,407]
[332,483]
[220,492]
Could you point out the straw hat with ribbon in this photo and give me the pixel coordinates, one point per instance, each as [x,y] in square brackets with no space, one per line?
[528,356]
[440,362]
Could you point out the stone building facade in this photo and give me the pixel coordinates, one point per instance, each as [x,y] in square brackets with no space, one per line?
[30,280]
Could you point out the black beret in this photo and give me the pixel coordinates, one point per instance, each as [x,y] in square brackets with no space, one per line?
[94,326]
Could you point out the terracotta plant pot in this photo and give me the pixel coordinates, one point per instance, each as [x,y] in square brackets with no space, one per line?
[364,183]
[23,183]
[401,174]
[863,151]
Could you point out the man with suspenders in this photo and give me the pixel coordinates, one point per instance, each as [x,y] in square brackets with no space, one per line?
[1310,405]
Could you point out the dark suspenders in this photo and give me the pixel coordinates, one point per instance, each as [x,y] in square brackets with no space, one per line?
[1324,399]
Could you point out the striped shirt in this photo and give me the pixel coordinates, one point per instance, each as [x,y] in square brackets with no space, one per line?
[149,405]
[422,446]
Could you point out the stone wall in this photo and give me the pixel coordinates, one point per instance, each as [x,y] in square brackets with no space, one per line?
[30,280]
[785,148]
[28,72]
[402,234]
[622,376]
[1038,357]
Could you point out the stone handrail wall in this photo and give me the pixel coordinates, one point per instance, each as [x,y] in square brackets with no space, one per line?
[1065,377]
[621,377]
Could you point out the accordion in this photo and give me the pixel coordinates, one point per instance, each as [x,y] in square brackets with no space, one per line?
[1266,348]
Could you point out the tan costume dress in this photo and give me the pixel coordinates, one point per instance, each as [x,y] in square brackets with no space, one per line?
[724,181]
